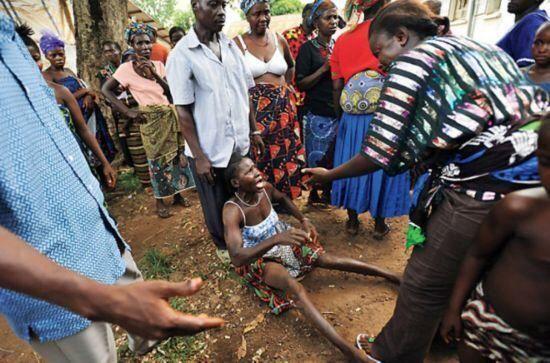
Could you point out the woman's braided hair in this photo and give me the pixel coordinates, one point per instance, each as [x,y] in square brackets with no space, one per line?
[410,14]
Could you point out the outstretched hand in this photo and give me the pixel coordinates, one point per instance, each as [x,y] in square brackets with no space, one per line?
[318,176]
[142,308]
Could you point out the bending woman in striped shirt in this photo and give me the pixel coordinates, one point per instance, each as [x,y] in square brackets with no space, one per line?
[465,112]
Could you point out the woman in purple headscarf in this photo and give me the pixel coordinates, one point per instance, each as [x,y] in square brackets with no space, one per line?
[54,50]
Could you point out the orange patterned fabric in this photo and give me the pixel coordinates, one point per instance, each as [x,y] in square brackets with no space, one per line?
[284,156]
[296,37]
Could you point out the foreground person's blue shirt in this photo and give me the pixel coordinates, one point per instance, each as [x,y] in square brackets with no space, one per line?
[48,196]
[519,40]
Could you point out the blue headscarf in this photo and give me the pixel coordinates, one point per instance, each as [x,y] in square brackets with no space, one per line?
[246,5]
[49,41]
[318,9]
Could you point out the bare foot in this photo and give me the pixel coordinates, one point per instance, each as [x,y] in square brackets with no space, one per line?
[364,343]
[359,356]
[162,210]
[381,229]
[181,200]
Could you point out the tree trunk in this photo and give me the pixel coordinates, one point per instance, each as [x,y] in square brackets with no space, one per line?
[95,22]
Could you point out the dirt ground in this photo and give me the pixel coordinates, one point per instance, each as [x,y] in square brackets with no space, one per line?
[353,304]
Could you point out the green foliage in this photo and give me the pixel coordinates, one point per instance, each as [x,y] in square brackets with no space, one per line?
[166,13]
[128,182]
[155,265]
[282,7]
[161,10]
[183,19]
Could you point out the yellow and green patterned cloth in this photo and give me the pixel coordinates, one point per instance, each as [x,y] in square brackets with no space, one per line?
[163,144]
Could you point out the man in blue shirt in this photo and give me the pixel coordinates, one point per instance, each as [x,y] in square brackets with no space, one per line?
[517,42]
[50,200]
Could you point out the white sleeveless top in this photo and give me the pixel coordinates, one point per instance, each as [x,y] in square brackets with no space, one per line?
[276,65]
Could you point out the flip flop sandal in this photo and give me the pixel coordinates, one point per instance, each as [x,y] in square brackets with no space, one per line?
[184,202]
[163,213]
[365,349]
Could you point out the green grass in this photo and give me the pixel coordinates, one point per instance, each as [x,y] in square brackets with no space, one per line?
[128,182]
[156,265]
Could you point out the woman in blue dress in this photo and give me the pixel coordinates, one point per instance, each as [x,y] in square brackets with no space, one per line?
[357,81]
[53,49]
[313,77]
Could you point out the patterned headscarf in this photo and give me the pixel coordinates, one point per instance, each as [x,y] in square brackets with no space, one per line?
[246,5]
[136,28]
[49,41]
[358,6]
[319,7]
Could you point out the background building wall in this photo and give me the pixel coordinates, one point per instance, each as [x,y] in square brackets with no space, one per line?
[491,19]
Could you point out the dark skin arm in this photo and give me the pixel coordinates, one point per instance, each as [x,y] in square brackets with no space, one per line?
[255,138]
[289,75]
[337,87]
[85,134]
[493,234]
[357,166]
[232,221]
[108,91]
[308,82]
[189,131]
[78,94]
[141,308]
[281,198]
[147,68]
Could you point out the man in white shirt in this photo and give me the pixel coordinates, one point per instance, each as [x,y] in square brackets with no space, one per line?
[209,83]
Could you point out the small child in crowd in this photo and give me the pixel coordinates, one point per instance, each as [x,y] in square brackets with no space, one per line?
[507,317]
[539,73]
[270,255]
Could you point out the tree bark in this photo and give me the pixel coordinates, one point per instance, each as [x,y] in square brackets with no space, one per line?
[95,22]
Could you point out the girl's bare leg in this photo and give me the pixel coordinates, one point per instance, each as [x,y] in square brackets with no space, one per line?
[332,262]
[275,275]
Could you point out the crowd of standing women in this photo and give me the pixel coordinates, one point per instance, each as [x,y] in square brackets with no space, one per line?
[395,103]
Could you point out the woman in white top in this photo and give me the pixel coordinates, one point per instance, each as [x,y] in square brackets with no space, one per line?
[268,58]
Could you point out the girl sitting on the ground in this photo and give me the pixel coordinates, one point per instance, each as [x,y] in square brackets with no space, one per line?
[269,254]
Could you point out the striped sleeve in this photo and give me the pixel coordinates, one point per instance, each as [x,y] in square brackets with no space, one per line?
[387,142]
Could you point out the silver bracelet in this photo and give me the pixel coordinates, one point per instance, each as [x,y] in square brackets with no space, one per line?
[253,133]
